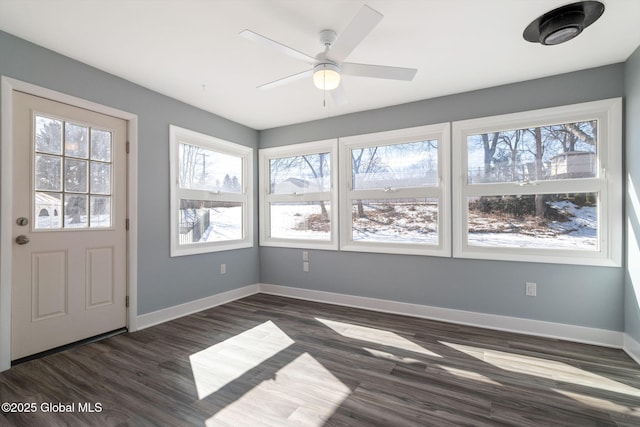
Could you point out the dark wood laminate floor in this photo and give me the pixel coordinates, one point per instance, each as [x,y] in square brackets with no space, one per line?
[267,360]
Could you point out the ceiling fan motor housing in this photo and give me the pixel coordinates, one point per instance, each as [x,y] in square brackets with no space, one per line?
[327,38]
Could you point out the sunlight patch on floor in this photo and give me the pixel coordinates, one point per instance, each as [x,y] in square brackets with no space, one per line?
[376,336]
[470,375]
[544,368]
[392,357]
[599,403]
[301,393]
[222,363]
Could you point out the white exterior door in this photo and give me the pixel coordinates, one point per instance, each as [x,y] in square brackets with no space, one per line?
[69,224]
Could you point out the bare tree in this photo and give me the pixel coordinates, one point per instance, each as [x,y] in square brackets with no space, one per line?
[318,171]
[192,166]
[538,153]
[583,131]
[489,144]
[313,167]
[513,142]
[365,161]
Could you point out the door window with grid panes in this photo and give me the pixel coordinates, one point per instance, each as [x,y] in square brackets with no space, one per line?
[72,180]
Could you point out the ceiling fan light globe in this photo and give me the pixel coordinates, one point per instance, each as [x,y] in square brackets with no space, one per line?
[326,77]
[561,35]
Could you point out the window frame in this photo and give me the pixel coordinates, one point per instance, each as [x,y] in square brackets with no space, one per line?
[441,191]
[265,155]
[178,135]
[607,183]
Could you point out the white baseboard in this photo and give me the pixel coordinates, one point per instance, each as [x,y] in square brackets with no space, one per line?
[601,337]
[632,348]
[170,313]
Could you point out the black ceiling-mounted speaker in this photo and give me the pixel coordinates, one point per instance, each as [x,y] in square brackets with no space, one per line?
[564,23]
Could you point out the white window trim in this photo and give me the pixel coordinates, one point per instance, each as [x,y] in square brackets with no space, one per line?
[440,132]
[265,155]
[178,135]
[609,182]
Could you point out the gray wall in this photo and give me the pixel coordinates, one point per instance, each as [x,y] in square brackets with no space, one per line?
[632,276]
[162,281]
[579,295]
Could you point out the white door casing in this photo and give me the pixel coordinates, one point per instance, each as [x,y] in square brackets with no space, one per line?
[65,269]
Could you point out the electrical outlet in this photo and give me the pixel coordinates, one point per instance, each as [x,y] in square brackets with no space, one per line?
[223,268]
[530,289]
[305,255]
[305,266]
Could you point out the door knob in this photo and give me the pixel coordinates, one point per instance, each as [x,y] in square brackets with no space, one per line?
[22,239]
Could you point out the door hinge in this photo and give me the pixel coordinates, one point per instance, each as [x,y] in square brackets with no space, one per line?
[127,147]
[126,224]
[126,301]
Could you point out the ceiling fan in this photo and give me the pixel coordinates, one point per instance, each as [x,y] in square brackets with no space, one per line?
[328,65]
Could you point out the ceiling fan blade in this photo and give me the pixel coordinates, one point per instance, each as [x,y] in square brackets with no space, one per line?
[378,71]
[339,95]
[250,35]
[287,80]
[354,33]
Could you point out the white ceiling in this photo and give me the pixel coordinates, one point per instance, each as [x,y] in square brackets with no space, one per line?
[190,49]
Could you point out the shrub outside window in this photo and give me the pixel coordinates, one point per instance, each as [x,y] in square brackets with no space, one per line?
[395,191]
[211,196]
[299,200]
[540,186]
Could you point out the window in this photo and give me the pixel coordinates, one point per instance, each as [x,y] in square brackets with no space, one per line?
[299,204]
[72,175]
[395,196]
[211,193]
[540,186]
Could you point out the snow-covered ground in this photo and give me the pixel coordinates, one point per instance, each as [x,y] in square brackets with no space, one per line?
[404,223]
[225,224]
[53,222]
[579,232]
[562,241]
[414,223]
[292,221]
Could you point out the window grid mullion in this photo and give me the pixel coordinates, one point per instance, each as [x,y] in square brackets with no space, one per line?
[539,187]
[302,197]
[401,193]
[185,193]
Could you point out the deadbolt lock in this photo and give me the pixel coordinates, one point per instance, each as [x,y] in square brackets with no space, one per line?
[22,221]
